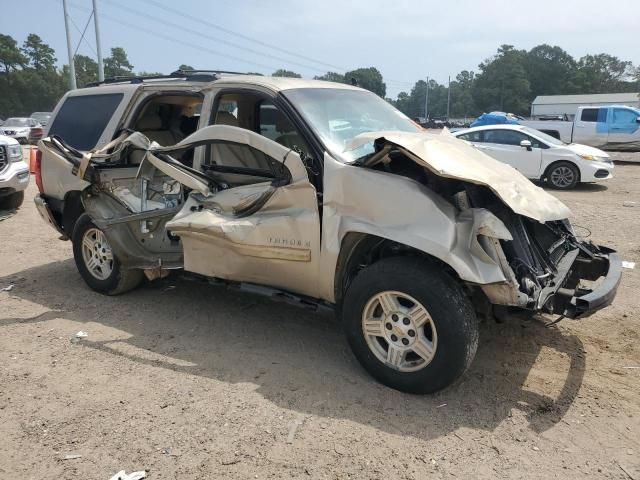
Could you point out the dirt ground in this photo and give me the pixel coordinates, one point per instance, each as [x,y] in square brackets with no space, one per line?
[198,382]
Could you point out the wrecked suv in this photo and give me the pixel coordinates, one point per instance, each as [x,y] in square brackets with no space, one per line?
[317,193]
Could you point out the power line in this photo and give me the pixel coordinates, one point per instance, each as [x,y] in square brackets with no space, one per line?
[139,28]
[82,36]
[215,39]
[341,70]
[240,35]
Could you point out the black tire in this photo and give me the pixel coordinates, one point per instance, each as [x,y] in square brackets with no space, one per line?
[120,280]
[13,201]
[563,175]
[450,310]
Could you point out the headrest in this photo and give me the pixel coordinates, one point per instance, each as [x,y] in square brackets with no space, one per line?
[149,122]
[226,118]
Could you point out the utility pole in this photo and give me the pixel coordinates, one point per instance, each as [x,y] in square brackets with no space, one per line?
[98,46]
[448,97]
[72,66]
[426,103]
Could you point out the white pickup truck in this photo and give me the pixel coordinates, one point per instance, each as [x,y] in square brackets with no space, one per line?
[615,127]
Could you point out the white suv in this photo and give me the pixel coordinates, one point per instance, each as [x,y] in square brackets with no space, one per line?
[14,174]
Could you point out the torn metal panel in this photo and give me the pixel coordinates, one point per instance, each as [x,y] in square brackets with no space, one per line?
[278,245]
[406,212]
[256,233]
[449,157]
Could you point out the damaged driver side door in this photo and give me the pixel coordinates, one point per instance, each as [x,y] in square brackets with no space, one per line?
[252,215]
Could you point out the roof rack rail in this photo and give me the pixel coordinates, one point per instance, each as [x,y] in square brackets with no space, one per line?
[191,75]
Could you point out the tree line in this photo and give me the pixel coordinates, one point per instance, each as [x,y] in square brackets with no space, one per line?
[507,81]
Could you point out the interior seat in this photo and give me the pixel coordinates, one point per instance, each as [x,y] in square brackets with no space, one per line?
[225,118]
[151,126]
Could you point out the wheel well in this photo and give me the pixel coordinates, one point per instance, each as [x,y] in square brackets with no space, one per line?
[553,164]
[72,210]
[359,250]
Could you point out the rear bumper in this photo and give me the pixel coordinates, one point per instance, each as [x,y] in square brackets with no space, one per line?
[585,302]
[45,213]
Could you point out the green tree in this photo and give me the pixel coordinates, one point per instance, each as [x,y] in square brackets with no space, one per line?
[86,70]
[462,103]
[369,78]
[10,56]
[285,73]
[550,70]
[502,83]
[601,73]
[331,77]
[32,81]
[117,64]
[39,55]
[185,67]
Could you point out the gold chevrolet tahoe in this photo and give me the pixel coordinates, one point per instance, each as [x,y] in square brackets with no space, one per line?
[318,193]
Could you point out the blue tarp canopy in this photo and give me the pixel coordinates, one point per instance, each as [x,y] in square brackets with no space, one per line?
[495,118]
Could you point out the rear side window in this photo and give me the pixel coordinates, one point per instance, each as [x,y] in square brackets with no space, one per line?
[504,137]
[594,115]
[476,137]
[82,119]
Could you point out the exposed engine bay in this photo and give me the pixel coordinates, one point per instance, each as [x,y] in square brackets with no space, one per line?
[548,267]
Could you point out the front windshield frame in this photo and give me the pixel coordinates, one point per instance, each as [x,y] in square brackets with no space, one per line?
[331,130]
[16,122]
[545,137]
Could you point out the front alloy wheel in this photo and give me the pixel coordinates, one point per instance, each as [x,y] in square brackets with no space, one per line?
[410,324]
[563,176]
[399,331]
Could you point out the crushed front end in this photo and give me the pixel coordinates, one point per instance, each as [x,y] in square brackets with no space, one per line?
[550,270]
[516,227]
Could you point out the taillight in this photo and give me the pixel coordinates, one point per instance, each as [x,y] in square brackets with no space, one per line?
[38,170]
[36,132]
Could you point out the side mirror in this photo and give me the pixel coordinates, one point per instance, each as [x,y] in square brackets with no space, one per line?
[526,144]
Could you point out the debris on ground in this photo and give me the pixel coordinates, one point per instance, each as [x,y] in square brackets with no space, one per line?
[229,460]
[122,475]
[293,430]
[82,334]
[72,456]
[628,203]
[629,265]
[8,288]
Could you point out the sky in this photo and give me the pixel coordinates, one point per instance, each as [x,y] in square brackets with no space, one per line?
[406,40]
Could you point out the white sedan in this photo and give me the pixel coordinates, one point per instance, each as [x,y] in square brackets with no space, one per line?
[539,156]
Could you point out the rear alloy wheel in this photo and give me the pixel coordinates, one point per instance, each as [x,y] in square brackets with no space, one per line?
[409,324]
[563,176]
[97,254]
[96,262]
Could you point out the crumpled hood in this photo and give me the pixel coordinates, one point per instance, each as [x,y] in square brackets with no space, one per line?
[449,157]
[586,150]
